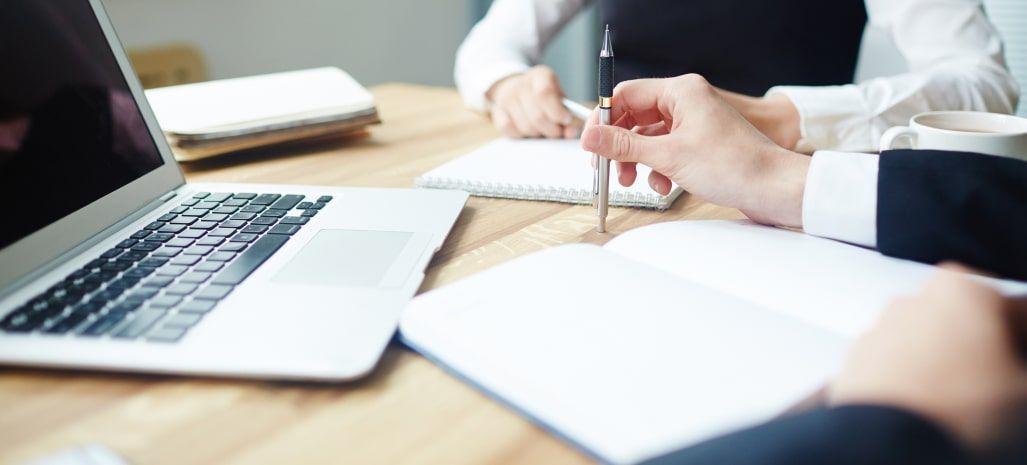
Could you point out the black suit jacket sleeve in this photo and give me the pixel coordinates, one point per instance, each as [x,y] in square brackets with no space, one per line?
[934,206]
[852,435]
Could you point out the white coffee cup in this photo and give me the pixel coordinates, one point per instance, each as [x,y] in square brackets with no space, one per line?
[964,131]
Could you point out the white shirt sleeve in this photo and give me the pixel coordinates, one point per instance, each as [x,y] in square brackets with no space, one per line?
[955,61]
[840,198]
[508,40]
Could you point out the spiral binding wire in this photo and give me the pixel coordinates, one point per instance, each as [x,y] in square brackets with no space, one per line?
[544,193]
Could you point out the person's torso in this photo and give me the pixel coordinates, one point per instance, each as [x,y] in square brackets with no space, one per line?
[745,46]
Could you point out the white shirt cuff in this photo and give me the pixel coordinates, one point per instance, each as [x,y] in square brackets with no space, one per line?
[830,118]
[840,199]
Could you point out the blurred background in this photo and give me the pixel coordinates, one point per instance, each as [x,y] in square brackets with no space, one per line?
[175,41]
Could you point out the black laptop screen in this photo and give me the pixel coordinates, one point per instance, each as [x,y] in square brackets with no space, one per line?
[70,130]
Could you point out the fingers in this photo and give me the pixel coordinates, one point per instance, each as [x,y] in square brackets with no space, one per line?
[502,121]
[619,144]
[538,120]
[659,183]
[627,173]
[644,100]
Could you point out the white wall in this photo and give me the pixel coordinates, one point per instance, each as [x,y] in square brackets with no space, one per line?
[374,40]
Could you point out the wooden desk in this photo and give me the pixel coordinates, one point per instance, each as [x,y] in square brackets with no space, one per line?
[408,411]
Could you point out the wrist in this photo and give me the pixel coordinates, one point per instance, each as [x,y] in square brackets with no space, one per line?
[779,188]
[775,116]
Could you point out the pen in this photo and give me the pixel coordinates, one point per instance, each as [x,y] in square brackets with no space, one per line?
[601,186]
[577,110]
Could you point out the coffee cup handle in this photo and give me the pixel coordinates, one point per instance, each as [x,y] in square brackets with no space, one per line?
[891,135]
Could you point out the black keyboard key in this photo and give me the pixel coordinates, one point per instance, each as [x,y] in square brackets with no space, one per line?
[159,281]
[201,195]
[221,232]
[318,205]
[195,277]
[225,210]
[142,294]
[120,265]
[195,212]
[167,334]
[146,246]
[172,270]
[250,259]
[324,199]
[197,306]
[106,295]
[181,289]
[140,234]
[198,250]
[138,272]
[254,229]
[154,226]
[190,202]
[244,216]
[287,229]
[192,234]
[304,205]
[274,213]
[234,224]
[185,220]
[179,209]
[209,266]
[295,221]
[73,319]
[287,202]
[309,213]
[213,292]
[265,199]
[159,237]
[264,220]
[204,225]
[127,243]
[219,197]
[244,237]
[244,195]
[15,320]
[130,304]
[112,253]
[212,240]
[215,217]
[103,324]
[166,252]
[140,322]
[94,263]
[123,283]
[221,256]
[132,256]
[252,208]
[167,217]
[165,301]
[207,205]
[233,247]
[185,260]
[153,262]
[179,242]
[234,203]
[173,228]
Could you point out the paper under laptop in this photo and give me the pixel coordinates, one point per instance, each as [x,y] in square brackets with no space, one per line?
[668,335]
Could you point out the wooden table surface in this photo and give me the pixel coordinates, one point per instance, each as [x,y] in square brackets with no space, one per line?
[407,411]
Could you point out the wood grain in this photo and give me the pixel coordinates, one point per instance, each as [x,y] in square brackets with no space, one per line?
[408,411]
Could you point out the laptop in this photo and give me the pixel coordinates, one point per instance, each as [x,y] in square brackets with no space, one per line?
[110,261]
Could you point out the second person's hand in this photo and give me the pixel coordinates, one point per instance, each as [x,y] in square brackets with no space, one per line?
[684,130]
[529,105]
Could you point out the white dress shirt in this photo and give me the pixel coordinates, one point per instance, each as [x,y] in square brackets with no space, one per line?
[953,53]
[840,198]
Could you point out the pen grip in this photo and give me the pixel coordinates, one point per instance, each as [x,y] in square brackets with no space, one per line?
[606,76]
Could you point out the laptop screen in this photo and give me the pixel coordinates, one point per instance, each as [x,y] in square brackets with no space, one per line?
[70,130]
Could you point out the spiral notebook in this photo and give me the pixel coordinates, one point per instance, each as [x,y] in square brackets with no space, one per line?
[550,170]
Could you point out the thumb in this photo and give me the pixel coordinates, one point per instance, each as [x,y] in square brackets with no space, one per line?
[617,143]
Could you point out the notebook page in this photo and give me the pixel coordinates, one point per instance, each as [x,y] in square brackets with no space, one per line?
[834,285]
[538,169]
[623,375]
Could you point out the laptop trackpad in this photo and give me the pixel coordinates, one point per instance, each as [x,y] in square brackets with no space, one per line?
[351,258]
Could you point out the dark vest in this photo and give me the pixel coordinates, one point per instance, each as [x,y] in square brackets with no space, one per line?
[745,46]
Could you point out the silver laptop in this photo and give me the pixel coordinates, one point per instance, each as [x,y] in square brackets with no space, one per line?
[109,260]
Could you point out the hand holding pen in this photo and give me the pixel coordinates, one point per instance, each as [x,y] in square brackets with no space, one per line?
[601,181]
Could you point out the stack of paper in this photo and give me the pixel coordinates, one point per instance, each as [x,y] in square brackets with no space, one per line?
[211,118]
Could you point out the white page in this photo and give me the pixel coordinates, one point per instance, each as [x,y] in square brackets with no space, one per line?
[835,285]
[256,100]
[622,359]
[538,169]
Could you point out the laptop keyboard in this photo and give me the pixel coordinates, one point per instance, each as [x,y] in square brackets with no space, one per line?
[159,282]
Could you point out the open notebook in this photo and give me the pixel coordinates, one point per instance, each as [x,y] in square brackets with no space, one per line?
[668,335]
[553,170]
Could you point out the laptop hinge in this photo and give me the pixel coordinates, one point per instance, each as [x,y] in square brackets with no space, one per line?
[170,195]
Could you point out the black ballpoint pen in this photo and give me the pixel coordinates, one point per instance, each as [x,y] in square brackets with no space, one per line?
[601,181]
